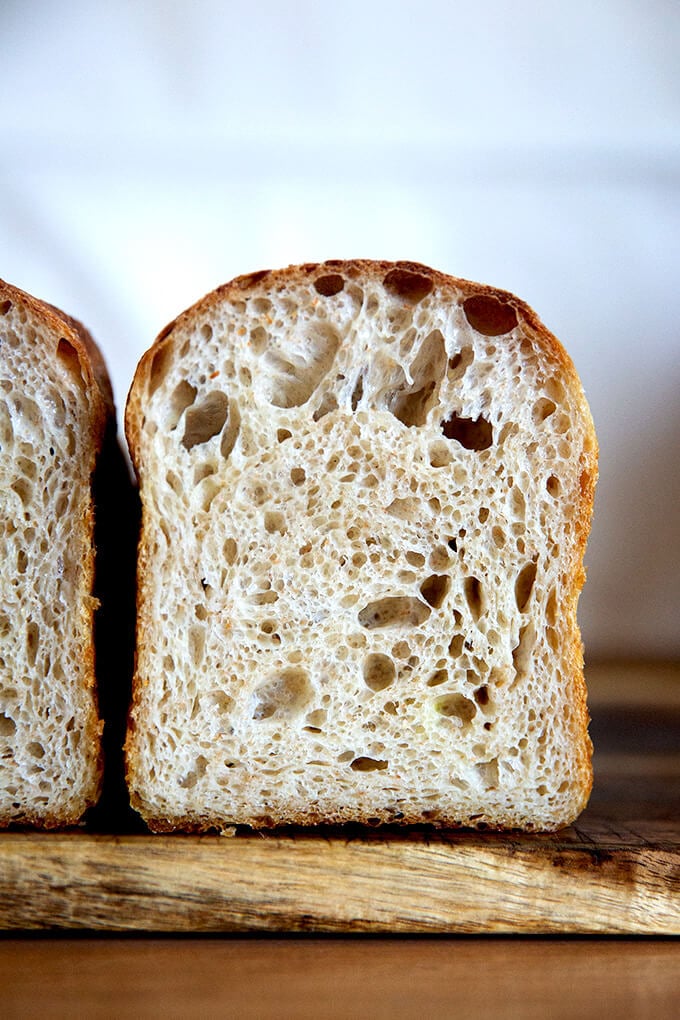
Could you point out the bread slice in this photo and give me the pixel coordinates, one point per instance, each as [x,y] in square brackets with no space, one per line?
[366,490]
[55,401]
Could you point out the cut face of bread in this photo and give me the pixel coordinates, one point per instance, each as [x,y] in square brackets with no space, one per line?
[366,493]
[52,418]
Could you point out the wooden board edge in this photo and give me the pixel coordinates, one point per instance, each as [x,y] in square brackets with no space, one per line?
[153,884]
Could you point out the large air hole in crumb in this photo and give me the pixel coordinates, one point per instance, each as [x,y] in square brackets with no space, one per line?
[230,430]
[23,489]
[205,420]
[192,777]
[489,315]
[328,403]
[459,709]
[487,773]
[434,589]
[183,396]
[553,486]
[32,641]
[440,676]
[379,671]
[160,363]
[474,596]
[406,509]
[471,433]
[284,696]
[316,719]
[456,646]
[70,358]
[259,338]
[524,586]
[295,373]
[416,559]
[229,550]
[7,725]
[522,652]
[274,522]
[394,611]
[440,557]
[365,764]
[439,454]
[411,406]
[543,408]
[196,645]
[222,702]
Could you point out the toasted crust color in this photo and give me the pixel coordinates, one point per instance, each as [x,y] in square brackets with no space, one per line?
[52,331]
[410,282]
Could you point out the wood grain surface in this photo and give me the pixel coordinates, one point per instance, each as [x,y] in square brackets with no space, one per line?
[617,871]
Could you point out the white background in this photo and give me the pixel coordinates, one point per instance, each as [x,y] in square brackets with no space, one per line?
[150,151]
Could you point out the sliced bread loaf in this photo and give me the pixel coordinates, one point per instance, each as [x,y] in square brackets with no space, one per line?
[366,491]
[55,402]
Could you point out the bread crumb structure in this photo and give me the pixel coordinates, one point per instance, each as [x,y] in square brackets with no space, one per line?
[52,419]
[366,492]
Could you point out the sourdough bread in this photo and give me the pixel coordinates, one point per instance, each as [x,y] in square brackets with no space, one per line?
[366,491]
[55,402]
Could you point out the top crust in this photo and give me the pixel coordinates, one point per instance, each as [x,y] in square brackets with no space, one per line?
[88,360]
[491,313]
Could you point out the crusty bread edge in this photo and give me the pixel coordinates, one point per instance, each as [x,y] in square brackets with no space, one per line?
[102,418]
[459,289]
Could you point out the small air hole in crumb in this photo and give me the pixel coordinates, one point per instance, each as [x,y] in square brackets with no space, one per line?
[274,522]
[298,475]
[329,285]
[379,672]
[456,646]
[283,434]
[440,676]
[553,486]
[395,611]
[489,315]
[440,455]
[434,589]
[416,559]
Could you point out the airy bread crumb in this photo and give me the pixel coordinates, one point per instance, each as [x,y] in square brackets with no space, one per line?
[55,401]
[366,492]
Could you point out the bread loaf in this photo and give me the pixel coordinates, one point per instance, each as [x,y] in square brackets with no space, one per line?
[366,491]
[55,401]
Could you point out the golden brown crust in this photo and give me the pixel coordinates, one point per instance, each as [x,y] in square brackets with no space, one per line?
[84,356]
[410,281]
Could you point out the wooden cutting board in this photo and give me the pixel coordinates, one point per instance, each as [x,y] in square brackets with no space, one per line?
[616,871]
